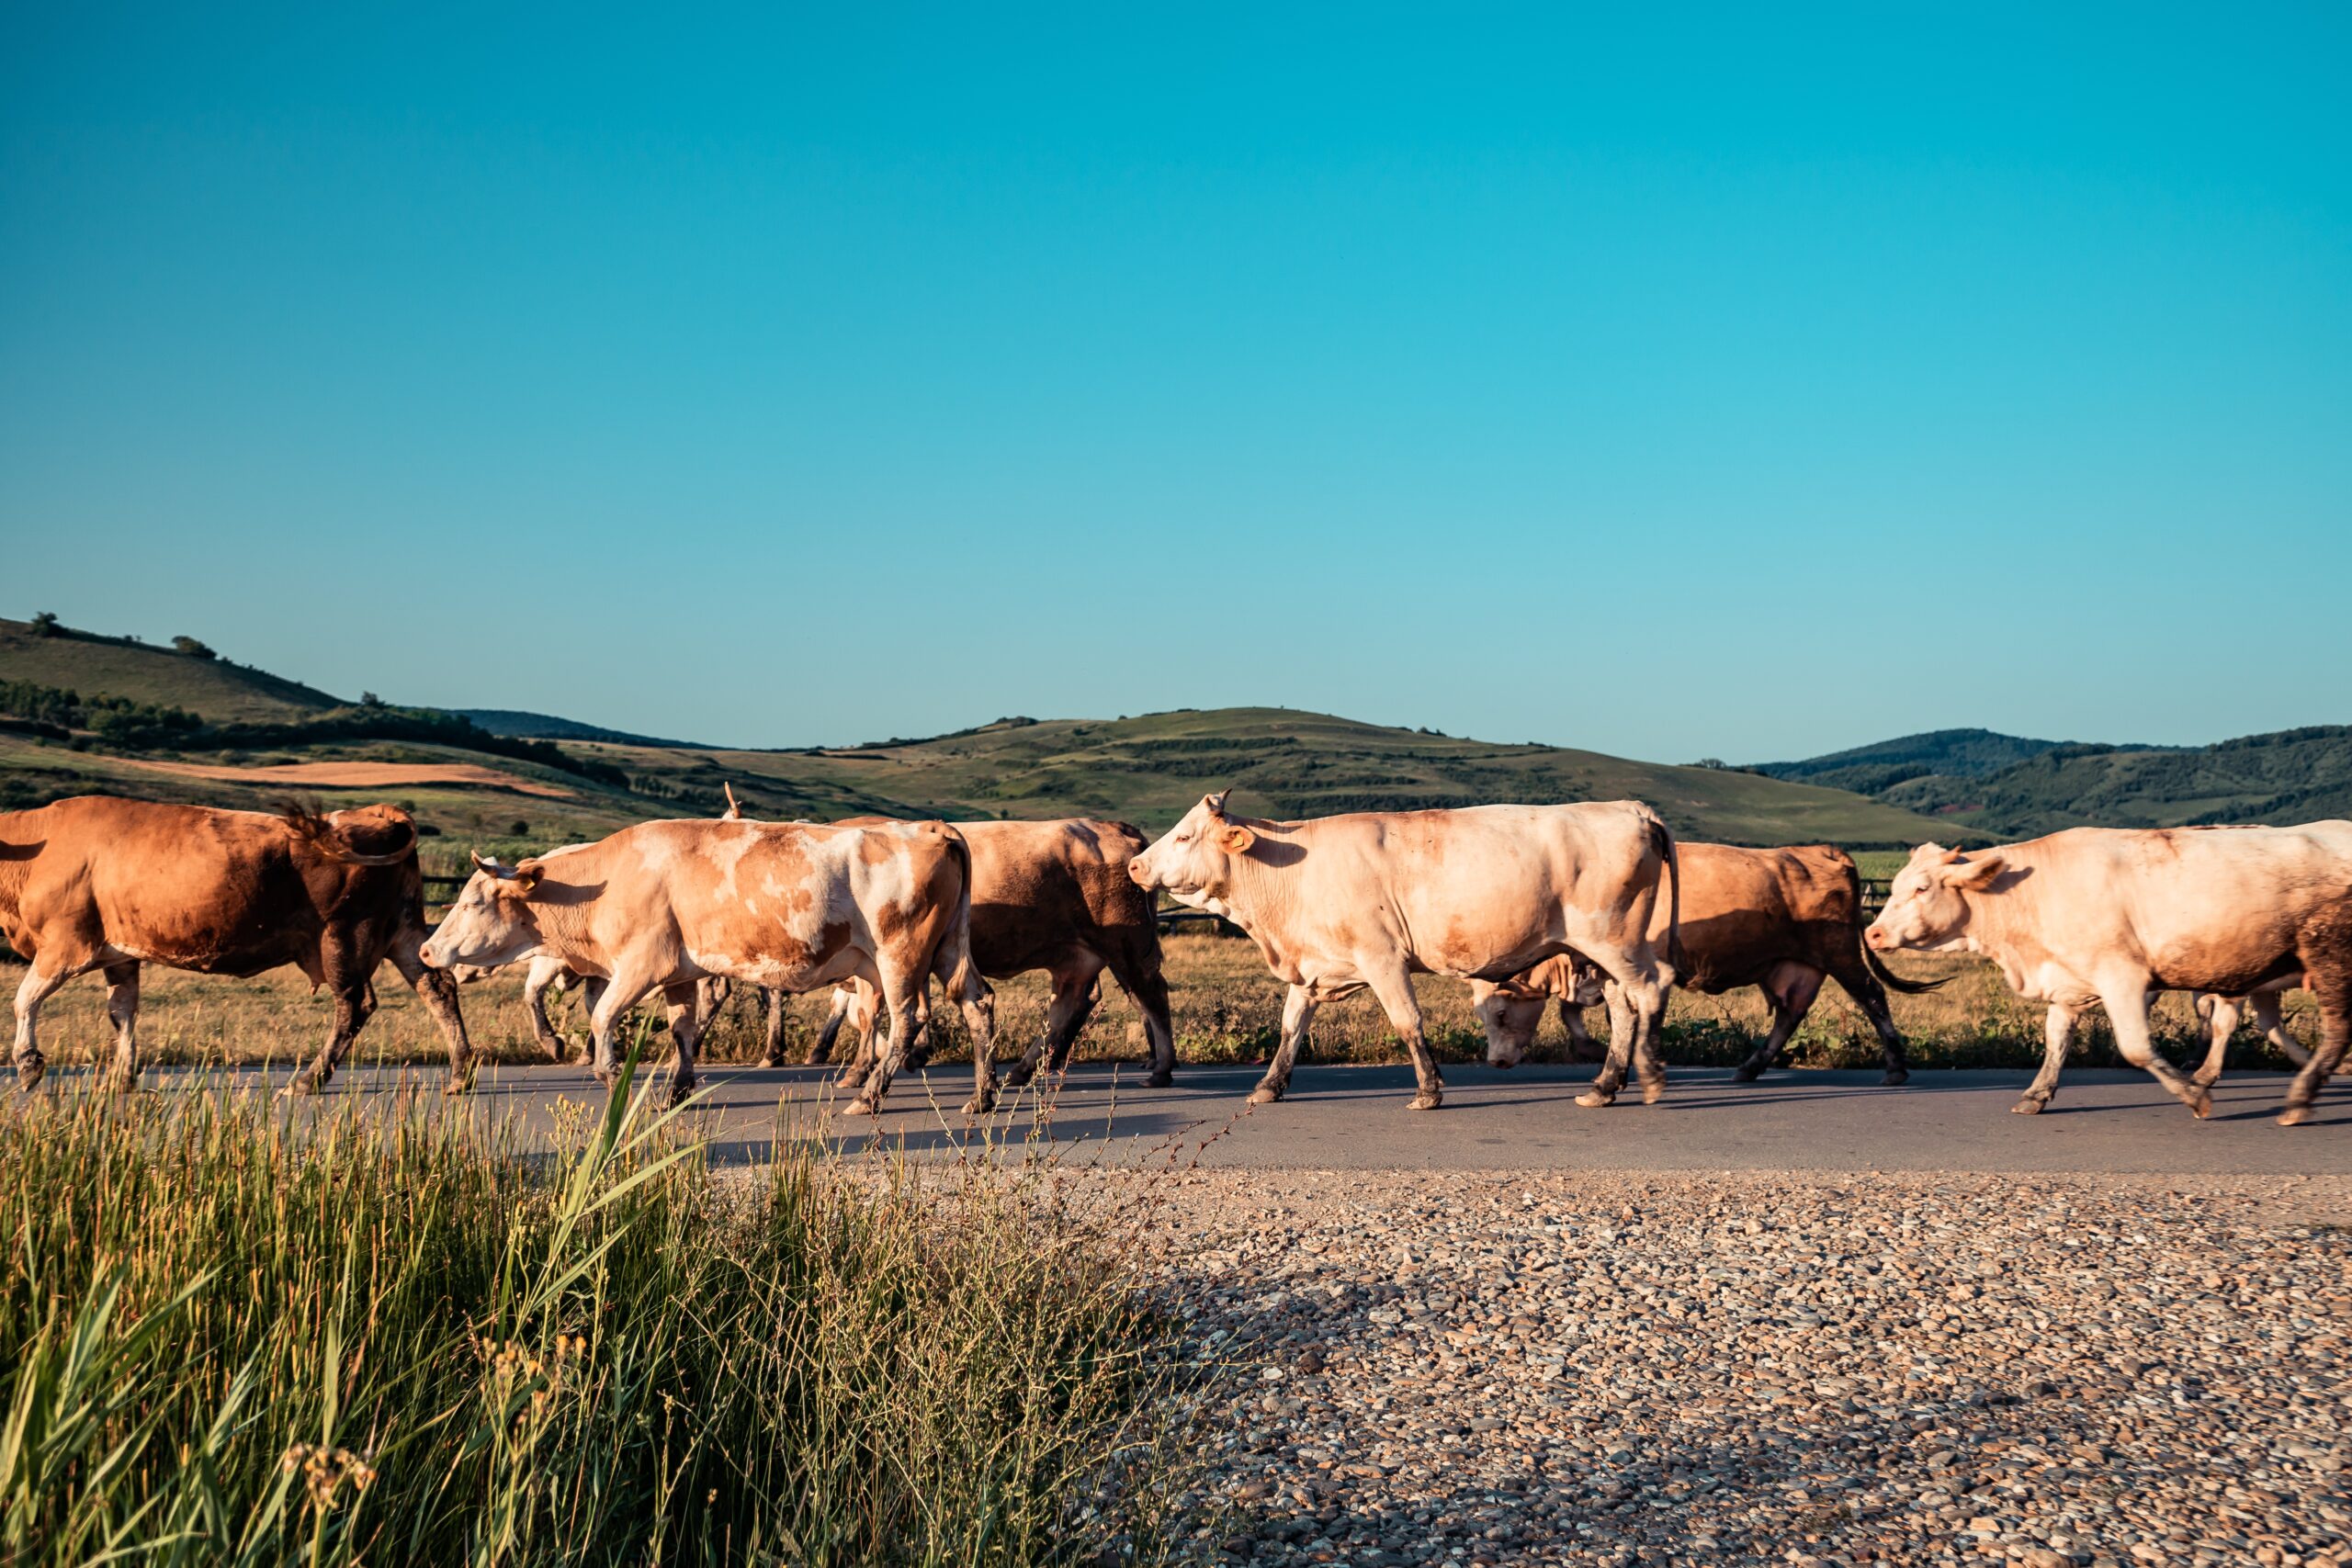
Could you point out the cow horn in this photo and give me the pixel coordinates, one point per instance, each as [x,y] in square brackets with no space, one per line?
[1216,801]
[491,865]
[734,807]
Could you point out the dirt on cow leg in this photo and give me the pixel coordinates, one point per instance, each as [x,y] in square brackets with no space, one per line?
[438,991]
[2326,951]
[687,1013]
[772,1052]
[122,1012]
[1611,1076]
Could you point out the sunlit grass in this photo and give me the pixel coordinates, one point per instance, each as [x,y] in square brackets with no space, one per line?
[240,1334]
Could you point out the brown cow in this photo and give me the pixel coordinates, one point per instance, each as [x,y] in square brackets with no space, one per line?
[788,905]
[2107,915]
[1053,896]
[1340,904]
[97,882]
[1781,920]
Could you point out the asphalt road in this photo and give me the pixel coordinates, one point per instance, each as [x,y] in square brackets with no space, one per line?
[1355,1118]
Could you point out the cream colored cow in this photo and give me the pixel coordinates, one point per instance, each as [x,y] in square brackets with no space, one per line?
[668,905]
[1339,904]
[2107,915]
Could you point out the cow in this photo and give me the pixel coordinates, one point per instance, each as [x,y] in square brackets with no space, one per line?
[1053,896]
[99,881]
[1338,904]
[667,905]
[2106,915]
[1781,920]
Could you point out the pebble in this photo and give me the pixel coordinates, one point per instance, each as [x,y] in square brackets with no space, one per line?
[1844,1370]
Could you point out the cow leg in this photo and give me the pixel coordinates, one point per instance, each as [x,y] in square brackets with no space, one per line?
[354,1001]
[978,1004]
[689,1011]
[1137,970]
[122,1012]
[1072,1005]
[37,986]
[862,1003]
[900,994]
[438,991]
[2269,1016]
[1394,991]
[2057,1033]
[772,1052]
[1648,999]
[821,1049]
[1298,1017]
[1611,1076]
[2221,1016]
[1871,997]
[1582,1046]
[2127,1009]
[919,1049]
[543,973]
[2326,945]
[622,990]
[1790,991]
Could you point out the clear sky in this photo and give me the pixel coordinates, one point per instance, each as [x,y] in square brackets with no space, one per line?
[1671,381]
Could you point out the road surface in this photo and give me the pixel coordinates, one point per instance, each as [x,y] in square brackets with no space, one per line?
[1355,1118]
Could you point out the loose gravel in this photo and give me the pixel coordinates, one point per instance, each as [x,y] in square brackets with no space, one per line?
[1738,1368]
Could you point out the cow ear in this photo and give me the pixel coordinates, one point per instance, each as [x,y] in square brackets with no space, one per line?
[1975,874]
[525,878]
[1236,839]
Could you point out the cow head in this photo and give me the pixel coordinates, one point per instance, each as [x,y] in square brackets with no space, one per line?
[1196,857]
[492,922]
[1926,909]
[1510,1013]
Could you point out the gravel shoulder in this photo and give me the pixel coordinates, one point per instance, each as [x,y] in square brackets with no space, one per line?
[1835,1368]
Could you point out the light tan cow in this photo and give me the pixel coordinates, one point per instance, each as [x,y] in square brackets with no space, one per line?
[1782,920]
[2107,915]
[1341,904]
[1052,895]
[97,882]
[667,905]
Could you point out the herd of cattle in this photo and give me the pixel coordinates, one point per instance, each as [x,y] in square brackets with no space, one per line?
[1582,904]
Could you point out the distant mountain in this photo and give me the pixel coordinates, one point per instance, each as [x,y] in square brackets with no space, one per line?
[548,726]
[1985,785]
[1956,754]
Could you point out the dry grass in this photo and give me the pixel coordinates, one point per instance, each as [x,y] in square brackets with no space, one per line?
[1227,1008]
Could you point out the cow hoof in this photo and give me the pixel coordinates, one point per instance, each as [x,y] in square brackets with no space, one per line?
[1652,1093]
[29,1076]
[1163,1078]
[772,1062]
[979,1105]
[1020,1075]
[556,1055]
[2029,1106]
[460,1083]
[300,1084]
[1264,1094]
[861,1106]
[916,1060]
[679,1093]
[1745,1074]
[2204,1080]
[1896,1078]
[1593,1099]
[2294,1116]
[1503,1067]
[2201,1105]
[1426,1103]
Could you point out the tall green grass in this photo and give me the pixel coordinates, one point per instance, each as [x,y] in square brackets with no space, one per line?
[236,1335]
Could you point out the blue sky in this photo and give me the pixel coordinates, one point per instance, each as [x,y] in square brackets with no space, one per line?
[1667,381]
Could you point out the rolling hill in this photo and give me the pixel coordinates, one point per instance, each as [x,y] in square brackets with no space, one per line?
[548,726]
[1956,754]
[515,794]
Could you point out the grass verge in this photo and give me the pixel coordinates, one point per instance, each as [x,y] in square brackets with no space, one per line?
[237,1333]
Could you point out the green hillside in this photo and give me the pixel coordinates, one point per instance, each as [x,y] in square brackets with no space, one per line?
[266,737]
[153,672]
[2295,775]
[1282,764]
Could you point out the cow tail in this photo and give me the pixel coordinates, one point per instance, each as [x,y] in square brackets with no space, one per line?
[961,853]
[1662,840]
[310,825]
[1889,978]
